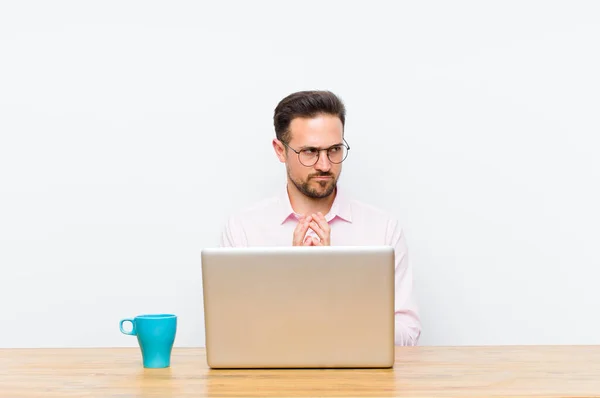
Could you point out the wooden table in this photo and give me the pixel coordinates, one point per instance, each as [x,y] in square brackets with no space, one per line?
[419,371]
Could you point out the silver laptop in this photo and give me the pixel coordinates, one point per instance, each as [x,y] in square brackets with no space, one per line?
[299,307]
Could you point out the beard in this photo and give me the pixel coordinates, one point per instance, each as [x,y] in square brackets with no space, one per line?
[323,189]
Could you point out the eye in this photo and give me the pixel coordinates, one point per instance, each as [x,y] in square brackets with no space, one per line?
[310,151]
[335,149]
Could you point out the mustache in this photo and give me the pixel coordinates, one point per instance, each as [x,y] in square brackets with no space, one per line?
[321,175]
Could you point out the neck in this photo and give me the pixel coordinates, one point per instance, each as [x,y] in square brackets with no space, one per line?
[302,204]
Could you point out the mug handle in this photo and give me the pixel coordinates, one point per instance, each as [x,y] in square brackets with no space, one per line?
[133,332]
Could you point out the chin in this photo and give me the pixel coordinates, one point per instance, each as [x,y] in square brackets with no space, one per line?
[322,186]
[326,190]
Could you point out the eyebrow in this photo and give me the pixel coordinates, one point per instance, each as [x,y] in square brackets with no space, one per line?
[315,147]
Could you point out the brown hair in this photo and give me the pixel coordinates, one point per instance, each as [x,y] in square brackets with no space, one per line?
[305,104]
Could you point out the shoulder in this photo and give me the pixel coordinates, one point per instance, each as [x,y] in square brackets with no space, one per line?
[247,222]
[367,210]
[374,218]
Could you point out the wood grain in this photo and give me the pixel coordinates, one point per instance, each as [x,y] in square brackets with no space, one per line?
[551,371]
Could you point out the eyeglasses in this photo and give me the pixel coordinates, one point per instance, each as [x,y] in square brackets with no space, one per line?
[310,156]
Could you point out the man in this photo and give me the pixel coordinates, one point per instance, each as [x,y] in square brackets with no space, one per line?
[312,210]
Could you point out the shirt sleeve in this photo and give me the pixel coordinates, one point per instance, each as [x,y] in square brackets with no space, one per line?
[407,321]
[233,234]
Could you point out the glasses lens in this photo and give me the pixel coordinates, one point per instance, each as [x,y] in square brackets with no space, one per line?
[308,157]
[337,154]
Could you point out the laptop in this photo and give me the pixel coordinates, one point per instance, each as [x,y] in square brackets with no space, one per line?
[299,307]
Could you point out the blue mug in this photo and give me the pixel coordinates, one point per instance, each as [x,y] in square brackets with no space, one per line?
[155,334]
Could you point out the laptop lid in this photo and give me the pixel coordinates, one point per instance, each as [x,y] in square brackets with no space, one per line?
[299,307]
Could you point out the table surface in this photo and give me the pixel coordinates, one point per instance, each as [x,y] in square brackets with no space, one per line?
[418,371]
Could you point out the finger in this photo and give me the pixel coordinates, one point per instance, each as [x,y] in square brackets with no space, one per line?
[316,242]
[305,225]
[296,238]
[302,217]
[300,232]
[324,231]
[315,227]
[320,219]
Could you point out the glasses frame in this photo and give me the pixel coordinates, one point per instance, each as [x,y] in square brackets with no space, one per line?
[344,144]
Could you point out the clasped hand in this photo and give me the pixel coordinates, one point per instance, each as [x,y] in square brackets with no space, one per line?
[318,224]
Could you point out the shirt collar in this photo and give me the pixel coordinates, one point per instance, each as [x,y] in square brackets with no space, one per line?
[340,207]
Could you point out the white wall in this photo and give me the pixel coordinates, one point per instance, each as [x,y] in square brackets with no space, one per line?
[131,129]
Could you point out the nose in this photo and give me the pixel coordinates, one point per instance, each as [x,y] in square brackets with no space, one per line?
[323,164]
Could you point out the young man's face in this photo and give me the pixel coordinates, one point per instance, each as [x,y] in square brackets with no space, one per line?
[320,132]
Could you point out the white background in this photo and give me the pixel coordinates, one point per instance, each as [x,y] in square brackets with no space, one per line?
[129,131]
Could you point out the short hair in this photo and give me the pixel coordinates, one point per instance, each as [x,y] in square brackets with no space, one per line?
[305,104]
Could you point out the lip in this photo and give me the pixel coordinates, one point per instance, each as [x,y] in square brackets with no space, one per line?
[322,178]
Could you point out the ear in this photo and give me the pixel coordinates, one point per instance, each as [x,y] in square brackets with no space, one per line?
[279,150]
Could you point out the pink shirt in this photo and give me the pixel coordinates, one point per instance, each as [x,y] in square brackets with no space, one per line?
[272,221]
